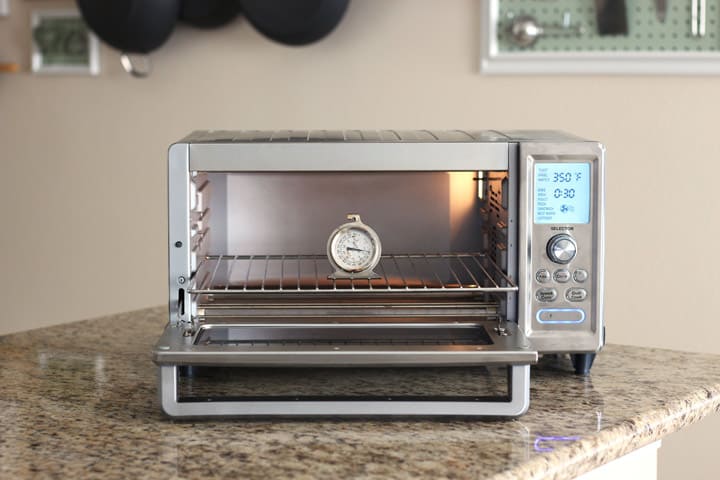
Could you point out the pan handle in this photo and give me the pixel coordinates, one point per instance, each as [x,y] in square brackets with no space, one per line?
[131,66]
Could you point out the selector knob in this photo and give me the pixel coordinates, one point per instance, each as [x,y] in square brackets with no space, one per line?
[561,249]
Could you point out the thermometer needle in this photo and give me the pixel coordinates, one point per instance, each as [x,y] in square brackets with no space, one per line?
[355,249]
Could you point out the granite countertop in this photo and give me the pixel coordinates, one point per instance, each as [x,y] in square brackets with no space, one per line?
[80,401]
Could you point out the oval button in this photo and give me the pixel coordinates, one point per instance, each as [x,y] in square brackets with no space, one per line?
[560,315]
[580,275]
[576,294]
[561,276]
[546,295]
[542,275]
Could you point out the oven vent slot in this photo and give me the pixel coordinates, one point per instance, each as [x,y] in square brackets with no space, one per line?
[446,274]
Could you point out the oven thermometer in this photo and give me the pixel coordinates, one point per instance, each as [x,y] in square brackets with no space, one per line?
[353,249]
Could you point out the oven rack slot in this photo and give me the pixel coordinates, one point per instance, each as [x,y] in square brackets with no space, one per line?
[426,273]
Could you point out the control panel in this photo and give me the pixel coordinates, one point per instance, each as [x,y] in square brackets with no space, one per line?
[563,199]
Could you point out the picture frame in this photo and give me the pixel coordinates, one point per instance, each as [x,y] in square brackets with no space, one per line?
[63,44]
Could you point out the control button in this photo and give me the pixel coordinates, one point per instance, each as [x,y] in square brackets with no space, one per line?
[546,295]
[542,275]
[580,275]
[561,276]
[561,248]
[576,294]
[560,315]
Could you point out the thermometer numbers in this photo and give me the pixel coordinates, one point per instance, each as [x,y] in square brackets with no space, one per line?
[354,249]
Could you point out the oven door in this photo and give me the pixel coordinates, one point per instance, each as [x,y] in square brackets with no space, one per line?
[326,368]
[328,341]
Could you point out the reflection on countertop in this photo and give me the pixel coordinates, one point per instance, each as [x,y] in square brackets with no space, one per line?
[80,400]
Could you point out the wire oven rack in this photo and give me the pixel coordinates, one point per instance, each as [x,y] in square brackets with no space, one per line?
[441,273]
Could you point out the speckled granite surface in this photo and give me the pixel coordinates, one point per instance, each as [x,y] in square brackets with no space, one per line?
[79,401]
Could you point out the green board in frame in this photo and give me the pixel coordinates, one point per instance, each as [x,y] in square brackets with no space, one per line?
[685,42]
[646,32]
[62,43]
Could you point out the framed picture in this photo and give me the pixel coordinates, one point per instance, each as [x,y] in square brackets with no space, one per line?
[62,43]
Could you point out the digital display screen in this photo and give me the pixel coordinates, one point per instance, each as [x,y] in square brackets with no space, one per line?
[562,193]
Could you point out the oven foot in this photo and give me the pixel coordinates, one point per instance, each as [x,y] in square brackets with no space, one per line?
[582,362]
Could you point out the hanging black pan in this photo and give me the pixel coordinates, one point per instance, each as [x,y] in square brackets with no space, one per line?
[294,22]
[131,26]
[209,13]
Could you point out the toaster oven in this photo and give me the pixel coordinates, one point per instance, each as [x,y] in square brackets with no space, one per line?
[404,272]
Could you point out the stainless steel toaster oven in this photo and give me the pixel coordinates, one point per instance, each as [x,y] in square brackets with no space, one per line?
[403,272]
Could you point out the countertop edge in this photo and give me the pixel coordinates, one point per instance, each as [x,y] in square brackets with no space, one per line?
[571,460]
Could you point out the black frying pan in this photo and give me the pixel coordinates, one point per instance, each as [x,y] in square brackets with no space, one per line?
[294,22]
[141,26]
[132,26]
[209,13]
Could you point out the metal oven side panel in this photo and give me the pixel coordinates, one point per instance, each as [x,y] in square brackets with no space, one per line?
[588,334]
[178,230]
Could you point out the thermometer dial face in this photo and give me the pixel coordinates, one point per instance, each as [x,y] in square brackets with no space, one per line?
[354,247]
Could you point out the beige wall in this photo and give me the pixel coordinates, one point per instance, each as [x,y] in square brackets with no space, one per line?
[83,160]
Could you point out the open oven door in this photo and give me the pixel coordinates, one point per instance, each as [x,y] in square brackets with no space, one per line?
[323,368]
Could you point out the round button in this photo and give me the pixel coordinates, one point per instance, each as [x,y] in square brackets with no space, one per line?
[561,249]
[542,275]
[580,275]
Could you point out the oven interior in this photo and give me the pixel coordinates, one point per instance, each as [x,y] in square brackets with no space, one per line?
[261,275]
